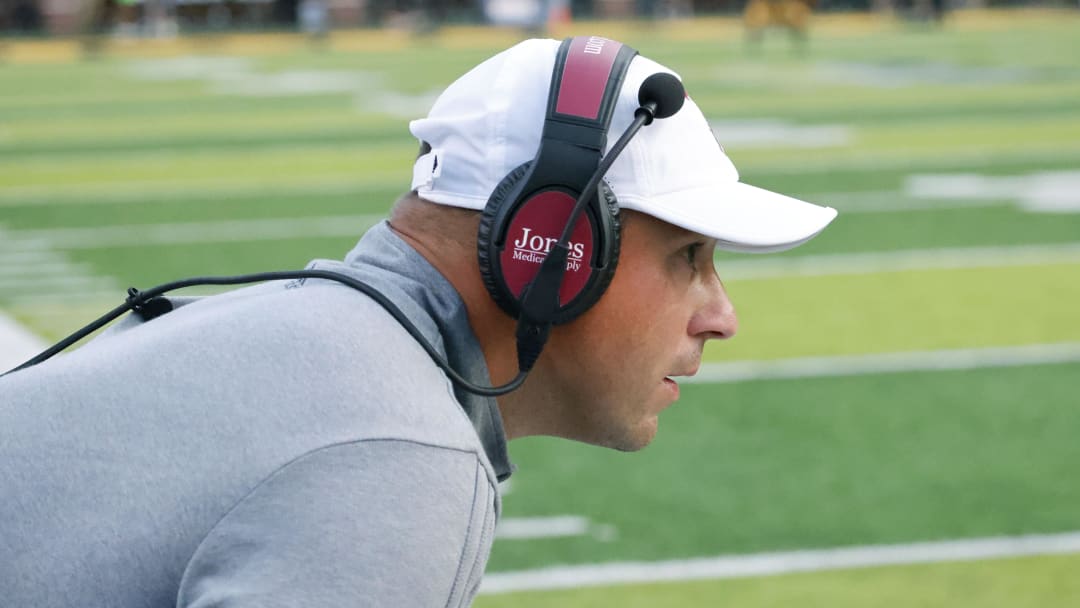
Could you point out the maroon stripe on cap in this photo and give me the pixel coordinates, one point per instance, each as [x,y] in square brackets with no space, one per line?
[585,75]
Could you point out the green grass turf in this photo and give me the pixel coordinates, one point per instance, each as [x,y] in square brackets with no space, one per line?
[745,467]
[777,465]
[1029,582]
[901,311]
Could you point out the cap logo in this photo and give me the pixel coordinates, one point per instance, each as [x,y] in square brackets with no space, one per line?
[595,45]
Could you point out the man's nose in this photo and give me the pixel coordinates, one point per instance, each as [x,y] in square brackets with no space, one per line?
[715,318]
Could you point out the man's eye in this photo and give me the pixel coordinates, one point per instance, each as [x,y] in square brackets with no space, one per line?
[692,254]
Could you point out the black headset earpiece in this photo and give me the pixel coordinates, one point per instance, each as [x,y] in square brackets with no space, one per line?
[528,210]
[495,254]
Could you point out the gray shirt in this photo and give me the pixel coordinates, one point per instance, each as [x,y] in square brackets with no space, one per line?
[286,444]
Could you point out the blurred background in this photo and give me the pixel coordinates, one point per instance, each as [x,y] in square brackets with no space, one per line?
[895,425]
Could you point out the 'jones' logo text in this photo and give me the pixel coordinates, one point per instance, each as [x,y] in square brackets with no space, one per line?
[534,248]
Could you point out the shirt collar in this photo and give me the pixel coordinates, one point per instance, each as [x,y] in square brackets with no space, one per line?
[404,276]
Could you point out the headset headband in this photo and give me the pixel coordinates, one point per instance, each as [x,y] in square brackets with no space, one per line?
[585,86]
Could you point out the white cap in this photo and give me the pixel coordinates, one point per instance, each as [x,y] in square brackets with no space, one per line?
[488,122]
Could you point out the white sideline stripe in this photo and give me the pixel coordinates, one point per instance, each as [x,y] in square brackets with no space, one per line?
[198,232]
[10,286]
[884,363]
[766,564]
[100,295]
[524,528]
[17,344]
[895,261]
[34,256]
[151,192]
[974,157]
[25,269]
[25,245]
[893,201]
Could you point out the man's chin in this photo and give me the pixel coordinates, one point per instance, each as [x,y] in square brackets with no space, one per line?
[637,437]
[616,434]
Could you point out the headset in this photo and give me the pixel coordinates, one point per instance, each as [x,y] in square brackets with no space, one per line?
[548,241]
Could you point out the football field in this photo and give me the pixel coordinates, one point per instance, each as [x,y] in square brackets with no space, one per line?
[902,389]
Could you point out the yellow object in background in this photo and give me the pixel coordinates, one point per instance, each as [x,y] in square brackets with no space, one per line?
[793,14]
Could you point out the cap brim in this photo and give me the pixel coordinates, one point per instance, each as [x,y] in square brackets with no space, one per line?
[741,217]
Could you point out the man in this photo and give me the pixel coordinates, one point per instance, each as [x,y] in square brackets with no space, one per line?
[297,444]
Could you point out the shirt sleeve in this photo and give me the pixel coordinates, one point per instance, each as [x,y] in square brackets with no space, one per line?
[371,523]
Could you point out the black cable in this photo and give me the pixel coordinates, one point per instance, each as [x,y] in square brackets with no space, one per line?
[137,299]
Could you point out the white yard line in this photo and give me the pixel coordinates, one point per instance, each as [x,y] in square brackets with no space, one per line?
[196,232]
[30,267]
[766,564]
[55,267]
[65,284]
[88,299]
[885,363]
[26,257]
[893,201]
[968,158]
[893,261]
[150,192]
[525,528]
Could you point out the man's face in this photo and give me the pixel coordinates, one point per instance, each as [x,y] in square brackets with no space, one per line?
[611,369]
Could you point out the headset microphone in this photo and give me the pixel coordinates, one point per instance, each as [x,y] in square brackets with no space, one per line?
[661,95]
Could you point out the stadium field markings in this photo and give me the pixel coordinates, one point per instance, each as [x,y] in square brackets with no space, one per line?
[28,256]
[96,294]
[10,271]
[19,285]
[151,192]
[885,363]
[1039,192]
[557,526]
[104,237]
[896,261]
[856,159]
[766,564]
[33,268]
[238,76]
[887,201]
[1042,191]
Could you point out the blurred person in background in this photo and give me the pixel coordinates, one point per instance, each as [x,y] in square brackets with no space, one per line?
[791,15]
[313,443]
[21,16]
